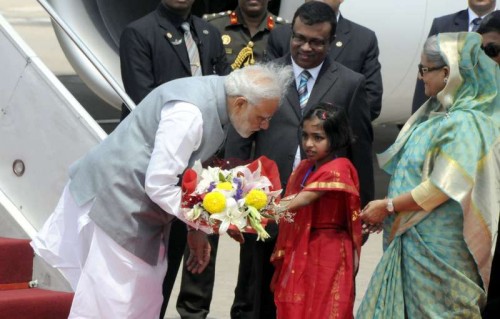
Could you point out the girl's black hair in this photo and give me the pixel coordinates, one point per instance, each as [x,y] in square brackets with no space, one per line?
[335,124]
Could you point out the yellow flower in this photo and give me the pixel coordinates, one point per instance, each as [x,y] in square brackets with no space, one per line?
[256,198]
[214,202]
[225,186]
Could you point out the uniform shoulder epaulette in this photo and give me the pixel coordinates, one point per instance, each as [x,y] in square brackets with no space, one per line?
[280,20]
[215,16]
[273,20]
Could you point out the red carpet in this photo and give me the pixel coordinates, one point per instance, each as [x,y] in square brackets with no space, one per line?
[17,300]
[16,260]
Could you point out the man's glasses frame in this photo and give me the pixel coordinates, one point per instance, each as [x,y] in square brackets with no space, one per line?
[316,44]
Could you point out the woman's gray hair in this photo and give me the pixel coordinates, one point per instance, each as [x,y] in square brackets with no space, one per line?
[259,82]
[432,52]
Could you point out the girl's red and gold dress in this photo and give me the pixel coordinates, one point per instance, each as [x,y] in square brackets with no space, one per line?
[316,257]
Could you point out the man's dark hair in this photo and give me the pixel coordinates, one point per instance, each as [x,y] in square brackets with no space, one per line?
[315,12]
[490,24]
[335,124]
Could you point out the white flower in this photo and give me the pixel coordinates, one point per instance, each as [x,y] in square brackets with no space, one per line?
[234,184]
[193,213]
[231,215]
[253,180]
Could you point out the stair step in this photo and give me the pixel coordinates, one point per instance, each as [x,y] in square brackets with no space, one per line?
[16,260]
[35,303]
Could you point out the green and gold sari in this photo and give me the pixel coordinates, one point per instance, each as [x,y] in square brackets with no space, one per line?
[437,264]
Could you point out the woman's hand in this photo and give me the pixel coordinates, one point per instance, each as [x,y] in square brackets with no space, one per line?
[374,214]
[370,229]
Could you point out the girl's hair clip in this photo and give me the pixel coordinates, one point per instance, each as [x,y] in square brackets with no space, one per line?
[323,115]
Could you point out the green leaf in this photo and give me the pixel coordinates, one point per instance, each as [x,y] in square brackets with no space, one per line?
[197,211]
[252,211]
[261,232]
[222,178]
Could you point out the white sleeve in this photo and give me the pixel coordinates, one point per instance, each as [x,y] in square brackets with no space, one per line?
[178,136]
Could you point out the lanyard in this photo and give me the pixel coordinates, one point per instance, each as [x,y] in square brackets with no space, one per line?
[309,171]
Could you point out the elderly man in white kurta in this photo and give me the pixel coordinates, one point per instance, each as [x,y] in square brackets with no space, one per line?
[107,234]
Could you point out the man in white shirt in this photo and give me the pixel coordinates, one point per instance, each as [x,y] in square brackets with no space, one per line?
[108,232]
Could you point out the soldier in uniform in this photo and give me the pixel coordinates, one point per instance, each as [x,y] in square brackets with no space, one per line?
[245,31]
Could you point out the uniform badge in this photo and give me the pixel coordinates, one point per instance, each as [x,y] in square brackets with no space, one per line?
[169,36]
[233,18]
[339,44]
[270,23]
[226,39]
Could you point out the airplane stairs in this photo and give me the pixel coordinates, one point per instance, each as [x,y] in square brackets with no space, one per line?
[43,129]
[19,296]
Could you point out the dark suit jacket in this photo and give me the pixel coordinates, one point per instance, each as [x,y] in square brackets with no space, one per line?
[152,52]
[355,47]
[455,22]
[335,84]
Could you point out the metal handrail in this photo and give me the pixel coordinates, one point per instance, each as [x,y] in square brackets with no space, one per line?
[86,51]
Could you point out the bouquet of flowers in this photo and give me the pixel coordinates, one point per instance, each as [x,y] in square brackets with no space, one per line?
[242,198]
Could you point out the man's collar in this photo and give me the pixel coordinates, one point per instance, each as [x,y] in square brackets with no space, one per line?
[298,69]
[473,15]
[264,24]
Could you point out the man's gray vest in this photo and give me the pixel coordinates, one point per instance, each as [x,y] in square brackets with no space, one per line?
[113,173]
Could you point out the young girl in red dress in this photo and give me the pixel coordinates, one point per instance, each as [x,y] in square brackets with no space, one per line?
[316,257]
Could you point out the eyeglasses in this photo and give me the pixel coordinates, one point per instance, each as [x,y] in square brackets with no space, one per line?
[491,49]
[300,40]
[263,120]
[424,69]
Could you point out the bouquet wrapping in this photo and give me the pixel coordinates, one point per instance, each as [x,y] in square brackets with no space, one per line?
[243,198]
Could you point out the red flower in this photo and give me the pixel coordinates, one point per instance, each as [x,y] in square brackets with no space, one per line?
[188,186]
[268,169]
[189,181]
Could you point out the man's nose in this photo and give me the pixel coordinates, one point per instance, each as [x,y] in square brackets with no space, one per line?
[306,46]
[264,125]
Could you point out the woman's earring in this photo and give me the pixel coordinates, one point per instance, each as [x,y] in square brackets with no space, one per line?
[445,80]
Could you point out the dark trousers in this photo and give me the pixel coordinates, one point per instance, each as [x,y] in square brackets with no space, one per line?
[196,290]
[253,298]
[492,309]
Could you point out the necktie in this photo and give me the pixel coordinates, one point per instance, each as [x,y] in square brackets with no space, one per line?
[192,49]
[302,90]
[475,24]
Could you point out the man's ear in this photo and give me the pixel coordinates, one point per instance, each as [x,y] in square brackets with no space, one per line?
[240,102]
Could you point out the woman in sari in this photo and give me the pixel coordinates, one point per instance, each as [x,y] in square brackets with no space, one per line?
[441,215]
[316,257]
